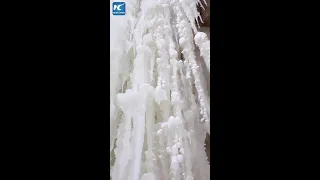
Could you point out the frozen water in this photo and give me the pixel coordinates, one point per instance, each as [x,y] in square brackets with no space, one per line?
[159,96]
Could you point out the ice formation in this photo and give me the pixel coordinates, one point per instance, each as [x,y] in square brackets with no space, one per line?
[159,103]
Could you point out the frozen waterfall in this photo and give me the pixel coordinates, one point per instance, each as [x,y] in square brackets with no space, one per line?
[159,95]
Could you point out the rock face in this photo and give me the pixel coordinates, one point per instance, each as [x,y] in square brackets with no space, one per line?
[205,27]
[205,13]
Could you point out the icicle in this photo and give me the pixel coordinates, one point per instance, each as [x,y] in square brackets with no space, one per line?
[203,43]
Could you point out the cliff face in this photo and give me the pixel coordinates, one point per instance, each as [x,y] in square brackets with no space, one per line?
[205,27]
[205,13]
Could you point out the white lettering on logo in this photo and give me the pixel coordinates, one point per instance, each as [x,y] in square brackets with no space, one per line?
[118,7]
